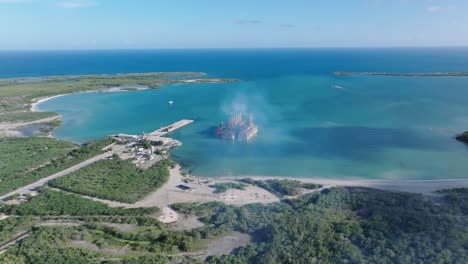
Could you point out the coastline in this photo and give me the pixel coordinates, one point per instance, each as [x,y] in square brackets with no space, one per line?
[41,100]
[427,187]
[202,190]
[415,186]
[10,129]
[38,101]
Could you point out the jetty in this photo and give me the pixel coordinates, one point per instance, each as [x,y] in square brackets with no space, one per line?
[171,128]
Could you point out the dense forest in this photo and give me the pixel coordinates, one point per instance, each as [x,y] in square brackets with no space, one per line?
[344,226]
[338,225]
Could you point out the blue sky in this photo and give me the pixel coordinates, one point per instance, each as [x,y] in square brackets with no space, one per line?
[127,24]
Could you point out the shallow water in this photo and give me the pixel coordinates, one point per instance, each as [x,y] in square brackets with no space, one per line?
[311,123]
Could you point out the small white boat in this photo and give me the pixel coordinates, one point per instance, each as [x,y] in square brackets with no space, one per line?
[170,102]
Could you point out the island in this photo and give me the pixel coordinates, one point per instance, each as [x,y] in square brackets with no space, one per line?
[427,74]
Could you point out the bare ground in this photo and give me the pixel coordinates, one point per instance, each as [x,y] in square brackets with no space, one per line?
[187,222]
[60,223]
[227,244]
[201,192]
[121,227]
[83,244]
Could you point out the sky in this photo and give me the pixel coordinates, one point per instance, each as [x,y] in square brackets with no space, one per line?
[143,24]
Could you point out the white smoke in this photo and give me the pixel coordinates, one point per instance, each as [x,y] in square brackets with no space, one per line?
[256,104]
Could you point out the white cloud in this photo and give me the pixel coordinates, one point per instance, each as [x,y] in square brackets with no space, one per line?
[77,3]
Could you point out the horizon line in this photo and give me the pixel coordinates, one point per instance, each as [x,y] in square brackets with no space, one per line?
[239,48]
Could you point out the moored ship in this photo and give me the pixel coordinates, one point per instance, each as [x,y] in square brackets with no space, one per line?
[237,129]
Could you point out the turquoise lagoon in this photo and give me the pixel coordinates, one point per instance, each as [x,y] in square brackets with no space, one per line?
[311,122]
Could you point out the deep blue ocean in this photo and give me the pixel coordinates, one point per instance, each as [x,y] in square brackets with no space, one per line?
[311,122]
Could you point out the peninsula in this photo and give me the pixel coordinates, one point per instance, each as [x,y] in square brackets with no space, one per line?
[19,96]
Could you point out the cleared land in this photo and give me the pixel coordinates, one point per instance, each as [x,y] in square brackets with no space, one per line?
[117,180]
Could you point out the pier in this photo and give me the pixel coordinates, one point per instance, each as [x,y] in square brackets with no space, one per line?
[171,128]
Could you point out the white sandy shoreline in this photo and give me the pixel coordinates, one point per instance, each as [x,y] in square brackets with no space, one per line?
[415,186]
[42,100]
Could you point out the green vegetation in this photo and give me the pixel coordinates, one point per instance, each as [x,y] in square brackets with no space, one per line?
[53,85]
[338,225]
[20,157]
[48,245]
[342,226]
[281,187]
[224,186]
[463,137]
[146,145]
[28,153]
[12,226]
[311,186]
[117,180]
[53,244]
[96,244]
[157,143]
[457,200]
[54,203]
[149,239]
[26,160]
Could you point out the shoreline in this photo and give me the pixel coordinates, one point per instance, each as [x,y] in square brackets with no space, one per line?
[418,186]
[202,190]
[427,187]
[10,129]
[41,100]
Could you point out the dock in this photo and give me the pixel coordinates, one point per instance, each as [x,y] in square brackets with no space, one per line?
[171,128]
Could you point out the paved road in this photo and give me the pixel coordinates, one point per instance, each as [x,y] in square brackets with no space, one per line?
[28,188]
